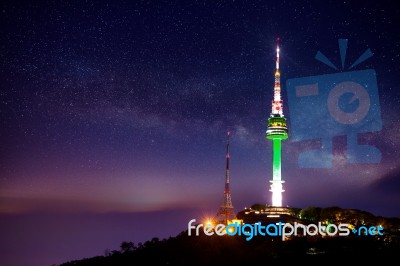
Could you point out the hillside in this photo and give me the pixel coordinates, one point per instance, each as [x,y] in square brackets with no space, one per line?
[235,250]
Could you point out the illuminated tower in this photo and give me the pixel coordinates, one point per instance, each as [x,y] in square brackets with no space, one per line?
[226,212]
[277,131]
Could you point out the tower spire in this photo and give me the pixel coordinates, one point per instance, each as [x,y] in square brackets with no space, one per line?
[226,210]
[277,131]
[277,102]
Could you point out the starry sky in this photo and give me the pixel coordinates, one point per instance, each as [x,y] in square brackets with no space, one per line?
[114,115]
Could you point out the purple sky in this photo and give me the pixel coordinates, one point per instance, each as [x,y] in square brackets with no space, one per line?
[114,115]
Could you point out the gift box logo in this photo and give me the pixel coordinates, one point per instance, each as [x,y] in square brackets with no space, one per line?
[325,106]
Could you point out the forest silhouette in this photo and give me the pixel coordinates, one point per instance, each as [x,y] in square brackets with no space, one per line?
[235,250]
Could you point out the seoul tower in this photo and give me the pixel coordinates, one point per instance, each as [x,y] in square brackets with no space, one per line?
[277,131]
[226,212]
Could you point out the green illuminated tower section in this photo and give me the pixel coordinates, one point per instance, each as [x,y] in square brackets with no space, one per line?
[276,132]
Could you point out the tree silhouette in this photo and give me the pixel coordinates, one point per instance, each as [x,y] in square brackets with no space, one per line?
[127,247]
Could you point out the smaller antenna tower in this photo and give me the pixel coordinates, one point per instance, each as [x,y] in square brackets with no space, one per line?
[226,210]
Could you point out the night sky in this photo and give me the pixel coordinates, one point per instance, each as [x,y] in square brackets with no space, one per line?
[114,116]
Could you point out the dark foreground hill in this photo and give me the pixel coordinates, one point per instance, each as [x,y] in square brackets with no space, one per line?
[272,250]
